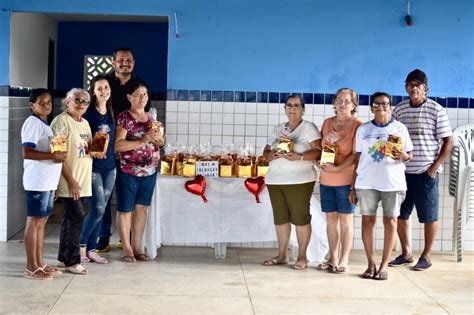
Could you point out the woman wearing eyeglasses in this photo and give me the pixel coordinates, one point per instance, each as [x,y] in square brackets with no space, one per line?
[75,183]
[336,179]
[383,145]
[290,180]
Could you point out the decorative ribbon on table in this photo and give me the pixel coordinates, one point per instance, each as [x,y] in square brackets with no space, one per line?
[197,186]
[255,186]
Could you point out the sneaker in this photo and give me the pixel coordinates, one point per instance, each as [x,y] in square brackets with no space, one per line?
[400,261]
[423,264]
[103,245]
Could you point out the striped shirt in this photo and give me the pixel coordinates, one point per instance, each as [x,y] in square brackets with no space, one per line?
[427,124]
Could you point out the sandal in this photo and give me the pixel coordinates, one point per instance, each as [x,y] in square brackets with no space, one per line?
[52,270]
[325,266]
[38,274]
[381,275]
[142,257]
[85,260]
[77,270]
[368,274]
[274,261]
[128,259]
[341,269]
[96,258]
[298,266]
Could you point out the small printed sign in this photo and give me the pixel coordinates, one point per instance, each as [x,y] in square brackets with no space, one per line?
[207,168]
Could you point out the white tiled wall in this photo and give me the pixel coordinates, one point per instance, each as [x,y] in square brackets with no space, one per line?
[193,122]
[4,113]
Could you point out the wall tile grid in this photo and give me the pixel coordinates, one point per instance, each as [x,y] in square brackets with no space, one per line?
[224,117]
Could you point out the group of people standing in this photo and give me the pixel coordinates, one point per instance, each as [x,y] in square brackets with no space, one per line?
[364,172]
[116,104]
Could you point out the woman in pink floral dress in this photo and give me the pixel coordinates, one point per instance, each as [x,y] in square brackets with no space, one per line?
[137,139]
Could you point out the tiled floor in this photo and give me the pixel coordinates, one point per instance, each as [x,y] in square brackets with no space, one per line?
[186,280]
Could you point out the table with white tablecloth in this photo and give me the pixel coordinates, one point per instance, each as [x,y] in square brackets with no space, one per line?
[231,215]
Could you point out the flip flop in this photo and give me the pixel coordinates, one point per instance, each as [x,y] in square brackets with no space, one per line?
[85,260]
[38,274]
[142,257]
[325,266]
[297,266]
[128,259]
[381,275]
[52,270]
[341,269]
[96,258]
[274,262]
[77,270]
[368,274]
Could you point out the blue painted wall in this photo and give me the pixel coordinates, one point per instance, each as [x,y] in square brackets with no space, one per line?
[305,45]
[148,41]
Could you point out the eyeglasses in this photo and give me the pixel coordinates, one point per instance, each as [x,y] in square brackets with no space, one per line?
[340,101]
[80,101]
[383,105]
[291,106]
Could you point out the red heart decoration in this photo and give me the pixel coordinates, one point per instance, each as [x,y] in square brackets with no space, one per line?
[197,186]
[255,186]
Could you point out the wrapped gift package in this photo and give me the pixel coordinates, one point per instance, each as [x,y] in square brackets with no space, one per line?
[393,142]
[328,155]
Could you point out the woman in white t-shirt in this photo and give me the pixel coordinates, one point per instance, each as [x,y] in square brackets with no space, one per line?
[380,176]
[290,180]
[42,169]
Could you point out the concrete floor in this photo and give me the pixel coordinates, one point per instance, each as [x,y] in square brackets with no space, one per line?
[188,280]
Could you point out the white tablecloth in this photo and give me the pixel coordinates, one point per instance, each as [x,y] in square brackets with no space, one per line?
[231,215]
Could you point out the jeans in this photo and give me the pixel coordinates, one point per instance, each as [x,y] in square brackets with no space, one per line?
[70,233]
[102,186]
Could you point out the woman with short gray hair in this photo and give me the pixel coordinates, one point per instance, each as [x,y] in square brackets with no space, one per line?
[76,177]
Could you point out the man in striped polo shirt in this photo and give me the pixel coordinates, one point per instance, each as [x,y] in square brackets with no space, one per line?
[431,135]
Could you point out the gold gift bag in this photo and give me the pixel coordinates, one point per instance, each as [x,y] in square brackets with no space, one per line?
[244,168]
[262,166]
[189,167]
[393,142]
[244,171]
[226,170]
[329,154]
[100,143]
[178,168]
[285,145]
[167,165]
[58,143]
[262,170]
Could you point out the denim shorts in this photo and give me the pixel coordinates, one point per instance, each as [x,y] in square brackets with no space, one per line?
[39,203]
[336,199]
[423,193]
[133,190]
[369,201]
[291,203]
